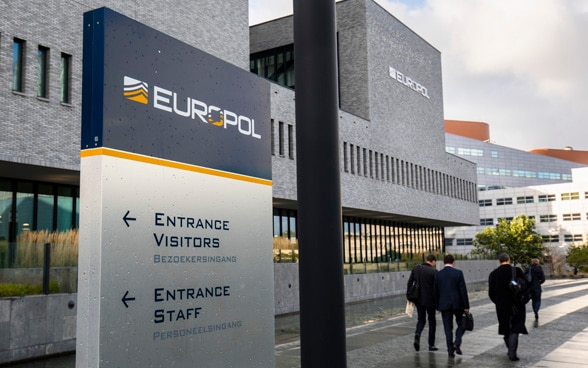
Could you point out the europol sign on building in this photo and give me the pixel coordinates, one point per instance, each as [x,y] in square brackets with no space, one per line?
[175,222]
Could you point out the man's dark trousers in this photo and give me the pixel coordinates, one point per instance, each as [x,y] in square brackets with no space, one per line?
[447,317]
[422,313]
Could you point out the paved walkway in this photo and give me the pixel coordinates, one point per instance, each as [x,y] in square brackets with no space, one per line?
[382,338]
[560,340]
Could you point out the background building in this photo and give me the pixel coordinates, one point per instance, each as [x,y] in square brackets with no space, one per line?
[399,187]
[512,182]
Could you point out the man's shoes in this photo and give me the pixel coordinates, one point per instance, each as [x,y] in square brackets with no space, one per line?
[433,348]
[417,344]
[451,355]
[457,349]
[514,358]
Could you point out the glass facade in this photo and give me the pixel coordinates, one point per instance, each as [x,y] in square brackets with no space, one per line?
[32,214]
[502,167]
[369,245]
[275,64]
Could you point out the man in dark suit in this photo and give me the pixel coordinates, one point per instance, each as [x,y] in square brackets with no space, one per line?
[451,296]
[511,316]
[425,276]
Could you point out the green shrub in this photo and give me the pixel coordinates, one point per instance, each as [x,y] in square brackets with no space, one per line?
[7,290]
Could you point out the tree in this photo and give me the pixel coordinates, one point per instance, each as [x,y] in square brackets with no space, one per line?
[517,237]
[578,256]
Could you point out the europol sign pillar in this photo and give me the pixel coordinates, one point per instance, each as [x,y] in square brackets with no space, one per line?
[175,265]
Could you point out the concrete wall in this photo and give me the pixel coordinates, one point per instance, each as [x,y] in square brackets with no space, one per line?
[36,326]
[361,287]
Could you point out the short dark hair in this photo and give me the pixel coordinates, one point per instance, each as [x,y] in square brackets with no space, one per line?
[503,257]
[448,259]
[431,258]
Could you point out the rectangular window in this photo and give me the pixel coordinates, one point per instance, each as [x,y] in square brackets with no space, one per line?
[65,79]
[464,241]
[572,217]
[18,65]
[485,202]
[281,139]
[546,198]
[573,237]
[291,141]
[548,218]
[42,72]
[550,238]
[503,201]
[487,221]
[527,199]
[570,196]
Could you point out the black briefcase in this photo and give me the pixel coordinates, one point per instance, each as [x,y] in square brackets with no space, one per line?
[467,321]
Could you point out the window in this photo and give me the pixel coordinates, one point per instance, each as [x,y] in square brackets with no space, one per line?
[503,201]
[494,154]
[550,238]
[527,199]
[291,141]
[18,64]
[507,219]
[549,175]
[546,198]
[487,221]
[573,237]
[485,202]
[275,64]
[464,241]
[547,218]
[65,79]
[42,72]
[450,150]
[572,217]
[570,196]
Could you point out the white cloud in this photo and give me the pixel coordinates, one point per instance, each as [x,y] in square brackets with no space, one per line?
[519,65]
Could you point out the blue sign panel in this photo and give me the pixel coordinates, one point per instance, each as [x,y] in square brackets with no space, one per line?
[148,93]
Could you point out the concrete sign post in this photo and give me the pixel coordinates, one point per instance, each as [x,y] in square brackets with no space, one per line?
[176,204]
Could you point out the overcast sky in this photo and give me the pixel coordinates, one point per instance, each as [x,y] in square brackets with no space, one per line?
[519,65]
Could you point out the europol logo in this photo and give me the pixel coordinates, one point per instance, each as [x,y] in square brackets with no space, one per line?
[135,90]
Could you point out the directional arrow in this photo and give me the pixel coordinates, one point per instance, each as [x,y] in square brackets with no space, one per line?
[126,218]
[126,299]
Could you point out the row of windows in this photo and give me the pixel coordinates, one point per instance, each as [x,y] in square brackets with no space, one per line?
[19,67]
[542,218]
[366,240]
[523,173]
[546,239]
[542,198]
[567,238]
[469,152]
[285,139]
[376,165]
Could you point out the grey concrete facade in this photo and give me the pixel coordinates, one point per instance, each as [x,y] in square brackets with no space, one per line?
[40,137]
[392,139]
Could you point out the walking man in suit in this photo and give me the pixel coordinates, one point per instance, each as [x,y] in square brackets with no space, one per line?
[425,275]
[451,296]
[511,316]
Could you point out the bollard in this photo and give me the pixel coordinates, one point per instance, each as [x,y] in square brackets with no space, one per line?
[46,267]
